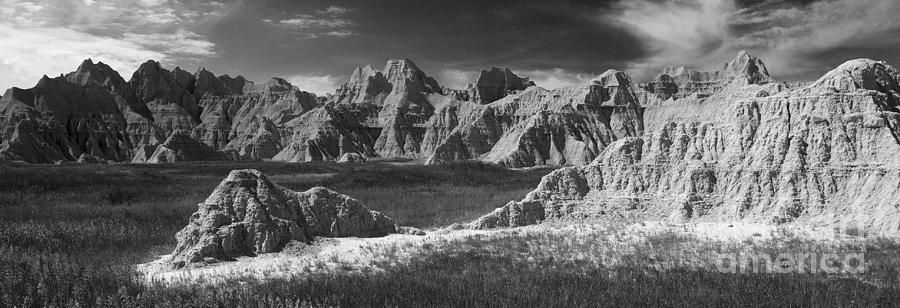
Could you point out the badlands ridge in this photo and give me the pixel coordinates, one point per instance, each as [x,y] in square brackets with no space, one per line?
[728,145]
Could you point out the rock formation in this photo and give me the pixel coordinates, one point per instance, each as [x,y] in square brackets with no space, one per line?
[247,215]
[541,127]
[398,111]
[823,154]
[496,83]
[60,120]
[181,147]
[93,110]
[681,82]
[349,158]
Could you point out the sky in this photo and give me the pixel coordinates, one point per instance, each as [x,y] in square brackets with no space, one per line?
[317,44]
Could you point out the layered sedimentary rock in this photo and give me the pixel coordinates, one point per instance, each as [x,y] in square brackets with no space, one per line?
[681,82]
[497,83]
[821,154]
[167,95]
[250,125]
[180,147]
[541,127]
[93,110]
[398,111]
[325,134]
[376,113]
[60,120]
[247,215]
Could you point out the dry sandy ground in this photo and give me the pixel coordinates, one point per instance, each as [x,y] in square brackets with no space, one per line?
[601,244]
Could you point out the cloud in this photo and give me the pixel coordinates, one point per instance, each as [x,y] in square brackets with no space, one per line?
[549,79]
[456,79]
[318,84]
[334,10]
[790,37]
[786,34]
[29,53]
[328,22]
[674,31]
[53,37]
[557,78]
[309,21]
[181,43]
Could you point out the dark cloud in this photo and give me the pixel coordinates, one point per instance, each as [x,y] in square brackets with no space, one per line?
[558,42]
[460,35]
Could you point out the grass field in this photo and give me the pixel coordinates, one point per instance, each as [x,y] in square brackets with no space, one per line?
[70,236]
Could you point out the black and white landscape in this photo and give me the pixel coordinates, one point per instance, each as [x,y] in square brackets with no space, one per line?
[507,153]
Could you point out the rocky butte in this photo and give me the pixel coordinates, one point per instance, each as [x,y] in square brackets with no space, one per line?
[820,154]
[247,215]
[732,145]
[162,115]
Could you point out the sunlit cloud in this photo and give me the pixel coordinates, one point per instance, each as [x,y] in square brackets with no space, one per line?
[705,33]
[318,84]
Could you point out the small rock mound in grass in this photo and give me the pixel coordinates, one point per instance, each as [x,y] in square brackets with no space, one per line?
[248,215]
[349,158]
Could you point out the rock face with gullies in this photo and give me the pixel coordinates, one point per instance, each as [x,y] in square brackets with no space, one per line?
[497,83]
[93,110]
[407,114]
[542,127]
[248,215]
[167,95]
[406,109]
[250,125]
[181,147]
[60,120]
[823,154]
[325,134]
[376,113]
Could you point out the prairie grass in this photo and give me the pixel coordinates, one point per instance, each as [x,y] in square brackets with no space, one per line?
[70,236]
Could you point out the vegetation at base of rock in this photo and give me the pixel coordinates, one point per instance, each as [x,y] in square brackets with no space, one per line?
[71,234]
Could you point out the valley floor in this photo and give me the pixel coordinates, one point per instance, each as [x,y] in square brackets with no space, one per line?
[88,235]
[658,246]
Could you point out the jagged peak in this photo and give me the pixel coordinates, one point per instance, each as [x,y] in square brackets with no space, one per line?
[362,72]
[397,70]
[404,67]
[45,80]
[202,71]
[743,66]
[613,78]
[88,72]
[749,66]
[150,64]
[507,75]
[276,84]
[87,62]
[405,62]
[860,74]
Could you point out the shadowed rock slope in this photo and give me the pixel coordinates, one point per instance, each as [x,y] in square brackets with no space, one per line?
[823,154]
[247,215]
[398,111]
[538,126]
[95,111]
